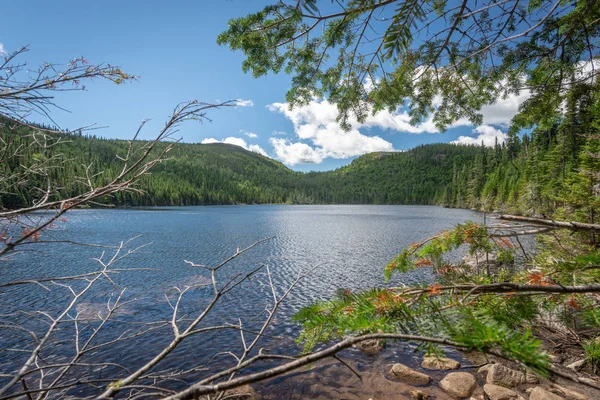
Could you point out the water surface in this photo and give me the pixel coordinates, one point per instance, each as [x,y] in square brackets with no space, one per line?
[346,245]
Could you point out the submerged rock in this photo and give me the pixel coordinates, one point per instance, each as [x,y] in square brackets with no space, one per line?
[242,393]
[409,375]
[419,395]
[439,363]
[459,384]
[370,347]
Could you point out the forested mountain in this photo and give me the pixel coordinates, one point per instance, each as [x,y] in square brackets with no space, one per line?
[190,174]
[536,174]
[196,174]
[418,176]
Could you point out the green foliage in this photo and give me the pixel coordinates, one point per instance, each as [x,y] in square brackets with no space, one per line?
[488,323]
[477,331]
[193,174]
[431,252]
[592,352]
[366,312]
[390,54]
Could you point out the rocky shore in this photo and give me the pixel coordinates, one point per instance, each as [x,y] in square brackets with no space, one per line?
[472,376]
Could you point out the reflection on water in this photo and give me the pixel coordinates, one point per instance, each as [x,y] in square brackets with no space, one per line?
[348,245]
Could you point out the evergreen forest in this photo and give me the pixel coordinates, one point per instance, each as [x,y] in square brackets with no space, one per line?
[535,173]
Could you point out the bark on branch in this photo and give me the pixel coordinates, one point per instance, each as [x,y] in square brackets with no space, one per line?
[575,226]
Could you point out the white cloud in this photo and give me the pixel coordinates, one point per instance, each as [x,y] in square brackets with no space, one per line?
[244,103]
[249,134]
[316,122]
[587,71]
[237,142]
[487,134]
[257,149]
[399,122]
[2,49]
[278,133]
[502,111]
[295,153]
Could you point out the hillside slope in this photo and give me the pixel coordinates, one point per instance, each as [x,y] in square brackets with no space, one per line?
[202,174]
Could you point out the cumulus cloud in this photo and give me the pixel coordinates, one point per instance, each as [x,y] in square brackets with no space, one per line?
[244,103]
[502,111]
[486,134]
[278,133]
[257,149]
[2,49]
[249,134]
[316,123]
[295,153]
[399,122]
[320,136]
[237,142]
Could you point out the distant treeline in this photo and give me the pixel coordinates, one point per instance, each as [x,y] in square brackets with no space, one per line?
[525,174]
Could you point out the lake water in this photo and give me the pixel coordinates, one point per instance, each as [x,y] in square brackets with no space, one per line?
[347,246]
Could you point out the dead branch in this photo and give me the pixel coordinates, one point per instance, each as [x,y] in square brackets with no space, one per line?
[575,226]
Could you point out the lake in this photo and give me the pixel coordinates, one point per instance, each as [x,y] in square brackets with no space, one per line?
[347,245]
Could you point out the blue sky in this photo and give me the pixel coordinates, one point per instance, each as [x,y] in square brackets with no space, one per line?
[172,46]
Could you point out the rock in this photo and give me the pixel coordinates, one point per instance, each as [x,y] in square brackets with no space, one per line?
[409,375]
[541,394]
[241,393]
[495,392]
[531,378]
[419,395]
[370,347]
[554,359]
[476,357]
[485,369]
[439,363]
[570,393]
[588,380]
[479,260]
[577,365]
[459,384]
[503,376]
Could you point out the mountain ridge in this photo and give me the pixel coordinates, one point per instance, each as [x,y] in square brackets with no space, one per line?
[220,173]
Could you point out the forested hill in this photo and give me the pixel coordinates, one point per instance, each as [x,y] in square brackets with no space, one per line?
[417,176]
[198,174]
[536,174]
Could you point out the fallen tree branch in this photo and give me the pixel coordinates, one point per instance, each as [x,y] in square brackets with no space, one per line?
[576,226]
[515,233]
[506,287]
[197,390]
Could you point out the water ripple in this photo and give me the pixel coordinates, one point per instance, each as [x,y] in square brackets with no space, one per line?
[348,245]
